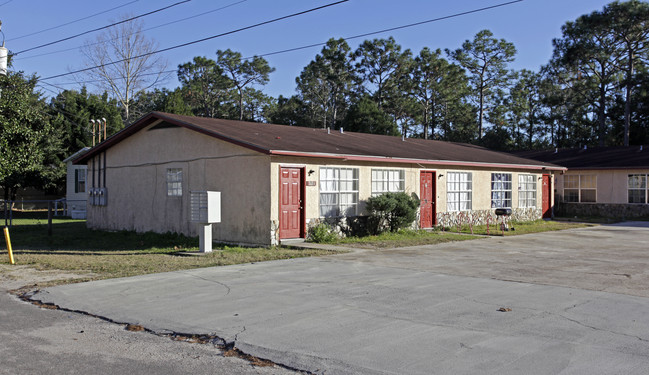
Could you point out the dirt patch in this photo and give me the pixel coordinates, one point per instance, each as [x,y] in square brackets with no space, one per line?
[255,361]
[13,277]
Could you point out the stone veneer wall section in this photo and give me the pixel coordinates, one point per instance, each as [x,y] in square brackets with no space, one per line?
[346,226]
[608,210]
[482,217]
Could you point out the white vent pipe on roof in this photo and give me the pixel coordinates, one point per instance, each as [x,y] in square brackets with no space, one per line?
[341,130]
[93,132]
[104,119]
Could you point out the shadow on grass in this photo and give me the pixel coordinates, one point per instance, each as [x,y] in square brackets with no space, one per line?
[73,236]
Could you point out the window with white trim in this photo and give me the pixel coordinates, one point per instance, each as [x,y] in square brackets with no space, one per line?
[80,180]
[338,191]
[501,190]
[174,182]
[388,181]
[580,188]
[459,187]
[637,185]
[526,191]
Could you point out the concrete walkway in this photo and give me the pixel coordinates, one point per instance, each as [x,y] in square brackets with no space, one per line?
[356,314]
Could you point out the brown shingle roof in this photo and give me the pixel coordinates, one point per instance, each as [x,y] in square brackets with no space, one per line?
[593,158]
[299,141]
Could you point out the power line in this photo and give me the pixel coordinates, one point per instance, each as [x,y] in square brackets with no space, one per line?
[71,22]
[141,31]
[101,28]
[346,38]
[391,29]
[6,2]
[123,78]
[201,40]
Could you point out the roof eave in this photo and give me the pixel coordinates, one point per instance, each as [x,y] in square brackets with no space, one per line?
[387,159]
[150,119]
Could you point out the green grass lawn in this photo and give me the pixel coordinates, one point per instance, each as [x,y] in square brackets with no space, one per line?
[102,254]
[517,228]
[404,238]
[401,238]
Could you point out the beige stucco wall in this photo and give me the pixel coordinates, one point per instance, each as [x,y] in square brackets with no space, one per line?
[248,181]
[481,182]
[611,184]
[137,188]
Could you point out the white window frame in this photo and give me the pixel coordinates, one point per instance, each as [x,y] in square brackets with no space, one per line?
[80,177]
[501,190]
[641,187]
[527,190]
[174,182]
[338,192]
[580,183]
[459,191]
[388,181]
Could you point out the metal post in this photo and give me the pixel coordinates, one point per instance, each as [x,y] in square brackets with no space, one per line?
[9,250]
[205,238]
[49,218]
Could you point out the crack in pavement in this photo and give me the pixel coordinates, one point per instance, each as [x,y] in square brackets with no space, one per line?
[208,280]
[214,340]
[599,329]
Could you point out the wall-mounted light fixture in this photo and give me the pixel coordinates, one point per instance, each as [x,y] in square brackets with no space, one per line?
[311,171]
[440,175]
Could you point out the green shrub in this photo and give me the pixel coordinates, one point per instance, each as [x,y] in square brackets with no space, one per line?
[391,211]
[322,233]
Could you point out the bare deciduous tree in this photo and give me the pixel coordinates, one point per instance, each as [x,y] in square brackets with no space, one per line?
[126,63]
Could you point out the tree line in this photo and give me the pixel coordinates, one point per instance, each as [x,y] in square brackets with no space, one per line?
[593,91]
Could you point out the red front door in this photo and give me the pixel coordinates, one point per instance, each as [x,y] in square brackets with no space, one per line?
[545,196]
[291,207]
[428,216]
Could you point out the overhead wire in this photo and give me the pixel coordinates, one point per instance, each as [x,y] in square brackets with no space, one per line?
[102,28]
[390,29]
[200,40]
[74,21]
[364,34]
[122,78]
[141,31]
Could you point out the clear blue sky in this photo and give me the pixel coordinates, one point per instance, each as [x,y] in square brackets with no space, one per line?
[530,25]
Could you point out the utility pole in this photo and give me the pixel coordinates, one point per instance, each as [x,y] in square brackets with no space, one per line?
[4,53]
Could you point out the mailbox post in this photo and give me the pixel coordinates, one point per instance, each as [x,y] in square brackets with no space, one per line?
[205,210]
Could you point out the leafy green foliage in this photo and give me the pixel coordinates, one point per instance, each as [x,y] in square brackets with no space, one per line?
[71,112]
[325,84]
[205,87]
[322,233]
[243,73]
[391,211]
[440,90]
[485,58]
[365,116]
[28,141]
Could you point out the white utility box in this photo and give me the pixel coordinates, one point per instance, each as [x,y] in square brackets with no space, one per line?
[205,210]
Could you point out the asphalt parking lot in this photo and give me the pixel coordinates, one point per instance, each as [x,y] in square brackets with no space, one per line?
[570,302]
